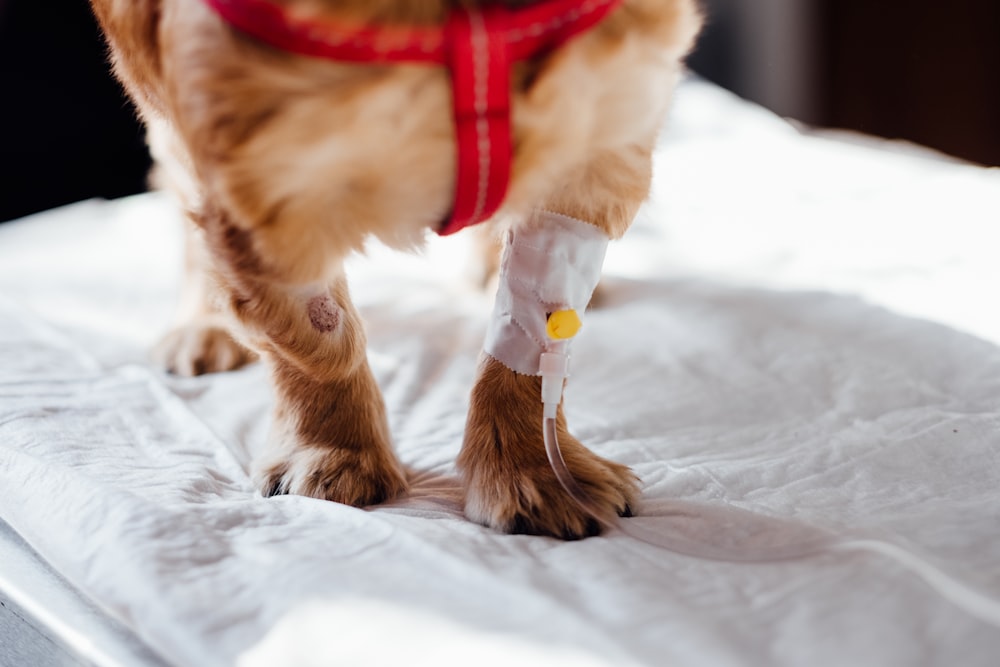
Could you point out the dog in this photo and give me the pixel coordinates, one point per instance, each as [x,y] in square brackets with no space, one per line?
[286,160]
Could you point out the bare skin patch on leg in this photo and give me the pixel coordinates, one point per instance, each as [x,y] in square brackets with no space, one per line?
[324,313]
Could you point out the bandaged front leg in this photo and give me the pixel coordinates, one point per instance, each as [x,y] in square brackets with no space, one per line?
[548,273]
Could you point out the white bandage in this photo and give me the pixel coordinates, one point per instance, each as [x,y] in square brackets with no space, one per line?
[551,263]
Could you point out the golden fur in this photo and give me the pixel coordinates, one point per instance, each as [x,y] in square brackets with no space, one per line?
[287,164]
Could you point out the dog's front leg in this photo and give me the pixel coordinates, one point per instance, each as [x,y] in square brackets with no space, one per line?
[330,437]
[550,268]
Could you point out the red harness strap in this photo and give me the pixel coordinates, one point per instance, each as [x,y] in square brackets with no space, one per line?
[478,46]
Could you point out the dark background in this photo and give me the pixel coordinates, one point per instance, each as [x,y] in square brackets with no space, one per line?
[66,131]
[923,70]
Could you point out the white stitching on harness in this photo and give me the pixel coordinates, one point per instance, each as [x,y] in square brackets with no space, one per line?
[481,74]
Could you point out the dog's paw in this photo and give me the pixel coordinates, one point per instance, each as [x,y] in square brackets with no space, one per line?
[329,439]
[509,484]
[523,497]
[351,477]
[202,346]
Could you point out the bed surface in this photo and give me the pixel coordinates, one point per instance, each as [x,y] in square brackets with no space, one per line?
[799,337]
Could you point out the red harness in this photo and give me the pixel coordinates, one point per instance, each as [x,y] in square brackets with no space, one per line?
[478,46]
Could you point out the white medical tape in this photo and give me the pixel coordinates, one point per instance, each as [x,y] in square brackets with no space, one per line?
[550,263]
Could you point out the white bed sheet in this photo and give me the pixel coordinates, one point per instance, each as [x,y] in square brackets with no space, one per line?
[798,335]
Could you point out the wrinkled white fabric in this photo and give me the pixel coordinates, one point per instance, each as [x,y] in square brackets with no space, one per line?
[551,263]
[797,338]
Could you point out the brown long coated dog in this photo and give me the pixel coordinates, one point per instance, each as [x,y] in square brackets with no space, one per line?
[286,164]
